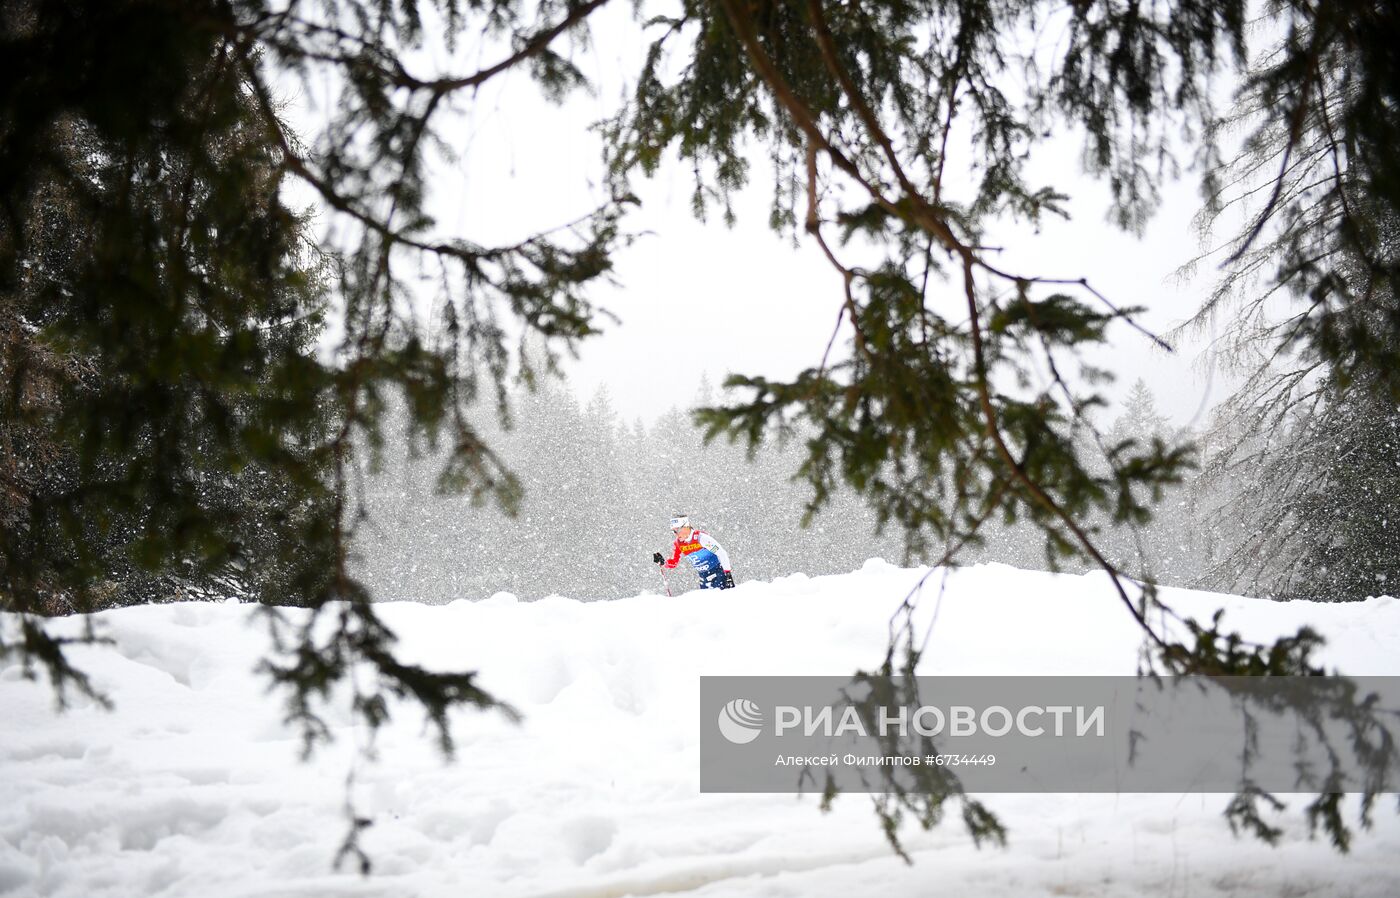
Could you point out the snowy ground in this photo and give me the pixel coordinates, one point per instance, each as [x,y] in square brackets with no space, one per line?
[192,787]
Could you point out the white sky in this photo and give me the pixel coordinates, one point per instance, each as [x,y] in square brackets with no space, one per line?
[704,299]
[700,299]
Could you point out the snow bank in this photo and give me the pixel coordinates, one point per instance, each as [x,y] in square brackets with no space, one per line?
[193,786]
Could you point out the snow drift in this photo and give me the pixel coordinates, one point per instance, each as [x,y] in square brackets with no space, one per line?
[193,787]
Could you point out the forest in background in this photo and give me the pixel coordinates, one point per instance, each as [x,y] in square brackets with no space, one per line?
[598,490]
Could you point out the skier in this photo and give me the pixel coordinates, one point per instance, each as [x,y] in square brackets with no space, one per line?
[706,555]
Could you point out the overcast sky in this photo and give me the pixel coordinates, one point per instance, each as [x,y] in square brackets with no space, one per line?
[701,299]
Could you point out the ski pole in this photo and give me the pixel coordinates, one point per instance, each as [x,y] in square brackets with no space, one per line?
[664,582]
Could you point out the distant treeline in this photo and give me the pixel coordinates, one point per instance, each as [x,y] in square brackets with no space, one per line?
[597,493]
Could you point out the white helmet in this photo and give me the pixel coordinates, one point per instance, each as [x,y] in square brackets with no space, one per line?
[680,521]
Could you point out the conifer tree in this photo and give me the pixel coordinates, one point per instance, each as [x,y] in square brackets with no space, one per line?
[1139,419]
[1304,448]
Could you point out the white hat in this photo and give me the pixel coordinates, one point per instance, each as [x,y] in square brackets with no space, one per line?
[679,521]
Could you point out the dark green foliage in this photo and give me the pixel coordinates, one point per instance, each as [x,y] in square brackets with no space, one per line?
[165,419]
[161,305]
[1243,814]
[321,654]
[920,791]
[169,428]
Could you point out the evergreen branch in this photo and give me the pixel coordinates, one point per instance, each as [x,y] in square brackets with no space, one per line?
[930,220]
[1084,284]
[1295,134]
[533,47]
[814,227]
[826,45]
[1035,489]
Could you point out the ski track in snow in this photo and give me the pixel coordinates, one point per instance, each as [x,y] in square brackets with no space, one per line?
[193,786]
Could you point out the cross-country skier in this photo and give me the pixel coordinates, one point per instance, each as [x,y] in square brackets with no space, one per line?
[706,555]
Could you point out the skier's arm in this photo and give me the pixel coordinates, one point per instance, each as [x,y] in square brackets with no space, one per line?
[709,543]
[675,555]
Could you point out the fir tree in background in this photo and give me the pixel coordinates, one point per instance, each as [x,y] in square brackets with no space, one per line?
[1139,419]
[1314,506]
[1349,510]
[1159,546]
[1302,462]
